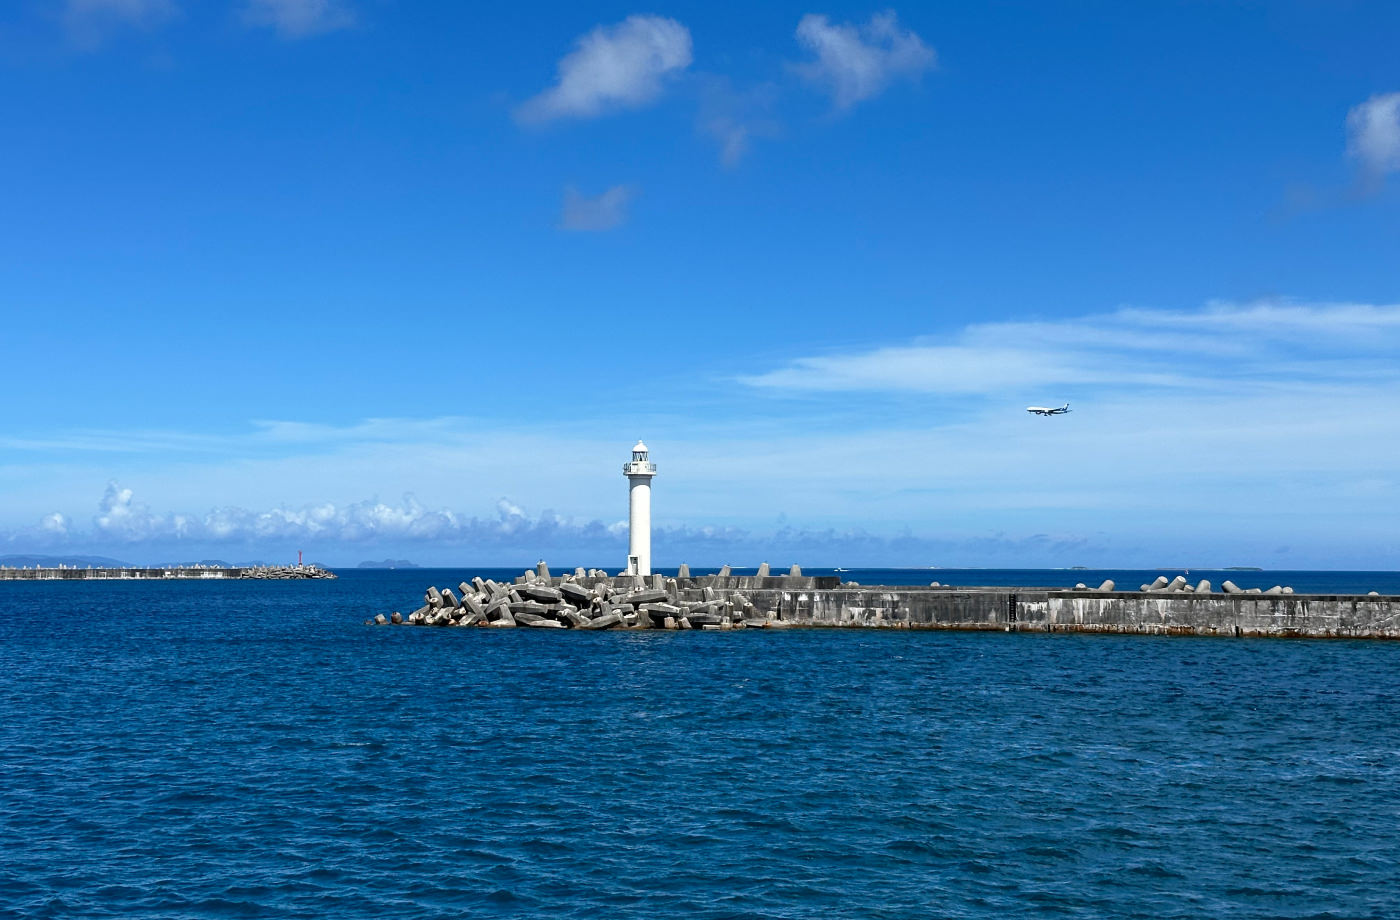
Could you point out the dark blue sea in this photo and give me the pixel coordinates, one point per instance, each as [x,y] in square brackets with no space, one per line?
[251,749]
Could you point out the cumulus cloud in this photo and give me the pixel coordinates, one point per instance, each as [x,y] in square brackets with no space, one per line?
[601,212]
[613,67]
[88,21]
[856,62]
[1271,344]
[299,18]
[121,518]
[1373,137]
[132,527]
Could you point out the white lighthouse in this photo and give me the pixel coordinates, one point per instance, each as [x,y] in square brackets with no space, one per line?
[639,472]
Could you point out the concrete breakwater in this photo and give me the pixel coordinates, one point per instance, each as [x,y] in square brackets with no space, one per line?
[590,599]
[187,572]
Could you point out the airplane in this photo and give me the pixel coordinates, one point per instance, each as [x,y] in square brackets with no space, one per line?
[1042,410]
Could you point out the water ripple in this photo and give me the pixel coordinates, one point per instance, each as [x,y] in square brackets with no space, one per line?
[211,750]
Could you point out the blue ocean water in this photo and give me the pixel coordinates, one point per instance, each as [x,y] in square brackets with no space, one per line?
[250,749]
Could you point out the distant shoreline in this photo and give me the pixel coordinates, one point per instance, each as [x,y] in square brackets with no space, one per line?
[163,573]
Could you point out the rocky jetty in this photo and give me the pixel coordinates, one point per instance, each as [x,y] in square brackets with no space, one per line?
[285,572]
[591,599]
[585,599]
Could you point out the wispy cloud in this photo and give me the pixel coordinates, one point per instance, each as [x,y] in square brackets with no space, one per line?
[734,118]
[613,67]
[856,62]
[89,21]
[1206,435]
[1254,345]
[600,212]
[299,18]
[1373,137]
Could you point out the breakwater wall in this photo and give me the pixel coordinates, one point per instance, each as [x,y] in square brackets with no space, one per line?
[65,573]
[1017,609]
[593,600]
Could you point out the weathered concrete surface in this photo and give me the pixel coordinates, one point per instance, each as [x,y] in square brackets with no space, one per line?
[592,600]
[1302,615]
[1164,613]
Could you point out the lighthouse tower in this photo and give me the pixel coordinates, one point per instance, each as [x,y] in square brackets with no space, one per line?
[639,472]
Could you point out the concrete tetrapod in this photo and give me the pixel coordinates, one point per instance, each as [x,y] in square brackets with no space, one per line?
[707,602]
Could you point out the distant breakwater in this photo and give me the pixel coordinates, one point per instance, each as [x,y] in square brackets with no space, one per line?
[66,573]
[593,600]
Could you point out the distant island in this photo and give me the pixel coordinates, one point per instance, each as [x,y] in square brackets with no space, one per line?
[388,564]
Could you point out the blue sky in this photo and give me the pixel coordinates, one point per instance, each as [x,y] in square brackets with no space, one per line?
[371,278]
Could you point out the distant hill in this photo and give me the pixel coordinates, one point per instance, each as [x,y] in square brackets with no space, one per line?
[49,562]
[388,564]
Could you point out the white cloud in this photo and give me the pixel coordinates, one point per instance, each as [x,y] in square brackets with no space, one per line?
[613,67]
[1212,434]
[734,118]
[857,62]
[122,520]
[602,212]
[120,517]
[733,137]
[126,526]
[1373,136]
[88,21]
[1262,345]
[299,18]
